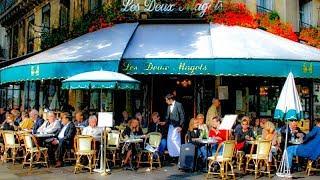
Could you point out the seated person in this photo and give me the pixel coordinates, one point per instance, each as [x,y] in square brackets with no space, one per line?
[310,146]
[245,134]
[92,129]
[269,133]
[130,149]
[65,138]
[193,131]
[8,124]
[37,120]
[142,120]
[17,117]
[157,126]
[125,118]
[79,120]
[201,126]
[26,123]
[257,130]
[294,132]
[219,135]
[52,126]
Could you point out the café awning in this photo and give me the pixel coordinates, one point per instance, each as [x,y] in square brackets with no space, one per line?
[98,50]
[211,49]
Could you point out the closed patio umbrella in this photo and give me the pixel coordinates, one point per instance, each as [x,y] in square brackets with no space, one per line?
[288,108]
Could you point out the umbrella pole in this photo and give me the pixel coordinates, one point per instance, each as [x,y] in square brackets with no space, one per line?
[284,170]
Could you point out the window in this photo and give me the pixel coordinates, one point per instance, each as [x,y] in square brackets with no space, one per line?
[264,6]
[306,14]
[14,41]
[30,34]
[94,4]
[13,96]
[64,13]
[46,18]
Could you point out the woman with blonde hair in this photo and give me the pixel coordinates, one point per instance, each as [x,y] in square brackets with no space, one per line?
[133,129]
[269,133]
[26,123]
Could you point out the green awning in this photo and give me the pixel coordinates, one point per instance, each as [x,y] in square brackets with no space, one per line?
[223,67]
[210,49]
[102,49]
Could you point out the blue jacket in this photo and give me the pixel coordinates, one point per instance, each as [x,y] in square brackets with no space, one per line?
[37,124]
[310,148]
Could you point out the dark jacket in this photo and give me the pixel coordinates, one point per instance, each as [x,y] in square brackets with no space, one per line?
[153,127]
[310,147]
[241,136]
[193,134]
[8,127]
[36,125]
[283,135]
[176,117]
[127,132]
[69,134]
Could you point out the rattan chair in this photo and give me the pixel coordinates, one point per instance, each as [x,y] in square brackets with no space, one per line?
[224,160]
[153,140]
[260,157]
[36,154]
[12,144]
[313,166]
[84,147]
[113,146]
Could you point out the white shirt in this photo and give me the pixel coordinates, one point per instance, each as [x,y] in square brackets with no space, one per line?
[171,106]
[63,130]
[47,128]
[95,132]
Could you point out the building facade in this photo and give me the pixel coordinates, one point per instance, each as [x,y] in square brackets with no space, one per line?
[27,24]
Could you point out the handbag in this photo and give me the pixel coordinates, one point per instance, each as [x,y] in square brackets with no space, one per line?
[240,145]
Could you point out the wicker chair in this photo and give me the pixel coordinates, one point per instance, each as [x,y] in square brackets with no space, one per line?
[34,151]
[113,145]
[261,157]
[153,139]
[84,146]
[313,166]
[224,160]
[11,143]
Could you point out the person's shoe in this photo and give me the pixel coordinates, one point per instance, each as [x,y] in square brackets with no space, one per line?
[58,164]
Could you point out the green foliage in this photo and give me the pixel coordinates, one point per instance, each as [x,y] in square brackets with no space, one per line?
[274,16]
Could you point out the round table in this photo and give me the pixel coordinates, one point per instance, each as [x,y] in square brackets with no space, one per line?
[206,142]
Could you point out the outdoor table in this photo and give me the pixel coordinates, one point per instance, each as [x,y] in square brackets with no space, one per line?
[207,143]
[295,142]
[132,141]
[44,135]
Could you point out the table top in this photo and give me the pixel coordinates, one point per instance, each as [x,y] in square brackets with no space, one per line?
[205,141]
[133,140]
[44,135]
[295,142]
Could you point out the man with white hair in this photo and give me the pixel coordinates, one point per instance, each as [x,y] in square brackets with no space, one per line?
[34,115]
[92,129]
[52,126]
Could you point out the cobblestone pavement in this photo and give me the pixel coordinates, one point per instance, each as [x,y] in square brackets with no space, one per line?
[9,171]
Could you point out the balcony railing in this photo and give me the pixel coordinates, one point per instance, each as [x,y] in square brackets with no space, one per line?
[6,4]
[263,10]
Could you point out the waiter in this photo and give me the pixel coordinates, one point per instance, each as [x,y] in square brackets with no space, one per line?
[175,120]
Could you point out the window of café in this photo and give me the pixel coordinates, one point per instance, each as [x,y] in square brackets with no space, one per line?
[30,90]
[13,96]
[3,95]
[94,4]
[268,96]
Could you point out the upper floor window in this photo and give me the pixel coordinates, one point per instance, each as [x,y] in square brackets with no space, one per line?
[305,14]
[13,35]
[264,6]
[46,18]
[64,13]
[94,4]
[30,34]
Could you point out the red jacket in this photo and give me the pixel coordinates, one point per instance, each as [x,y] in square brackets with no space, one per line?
[223,134]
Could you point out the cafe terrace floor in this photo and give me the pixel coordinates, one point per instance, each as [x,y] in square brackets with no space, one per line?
[9,171]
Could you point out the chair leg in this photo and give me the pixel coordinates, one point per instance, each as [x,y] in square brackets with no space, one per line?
[247,165]
[114,158]
[232,172]
[151,160]
[159,161]
[45,154]
[268,168]
[90,166]
[77,164]
[31,161]
[256,164]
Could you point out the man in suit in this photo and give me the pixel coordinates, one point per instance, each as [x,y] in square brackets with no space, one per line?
[294,132]
[65,138]
[175,120]
[38,121]
[157,126]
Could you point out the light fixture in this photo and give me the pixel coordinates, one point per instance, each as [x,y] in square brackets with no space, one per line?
[184,83]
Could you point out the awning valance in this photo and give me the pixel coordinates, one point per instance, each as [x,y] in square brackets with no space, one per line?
[209,49]
[102,49]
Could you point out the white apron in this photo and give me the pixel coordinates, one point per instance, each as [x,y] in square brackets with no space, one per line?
[174,141]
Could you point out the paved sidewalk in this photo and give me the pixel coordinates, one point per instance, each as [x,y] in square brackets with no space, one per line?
[9,171]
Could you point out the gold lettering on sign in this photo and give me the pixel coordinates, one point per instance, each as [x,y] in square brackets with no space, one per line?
[152,67]
[307,68]
[129,67]
[192,69]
